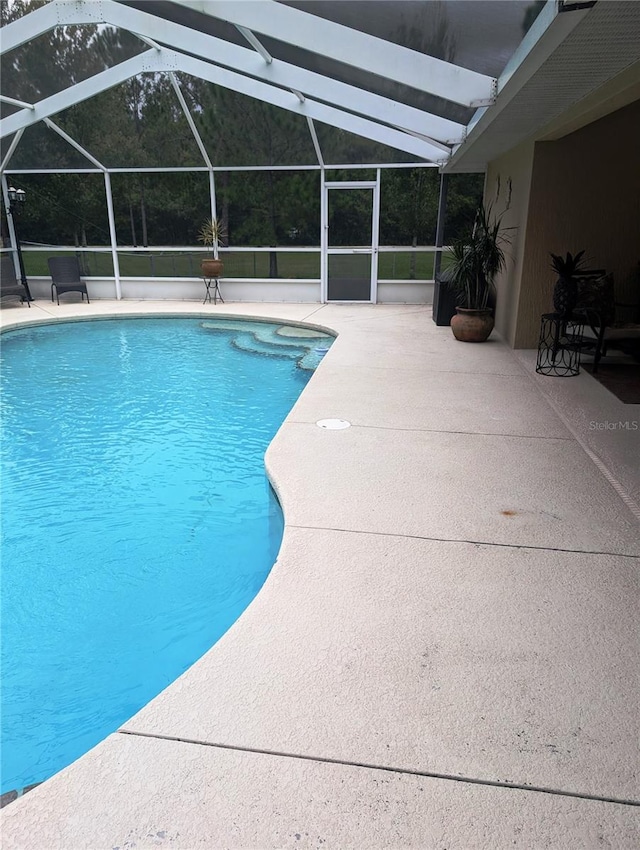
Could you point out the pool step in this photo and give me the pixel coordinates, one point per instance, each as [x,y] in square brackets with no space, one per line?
[310,361]
[225,325]
[308,348]
[309,334]
[267,335]
[248,342]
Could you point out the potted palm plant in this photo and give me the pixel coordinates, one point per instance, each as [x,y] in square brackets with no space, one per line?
[212,234]
[477,260]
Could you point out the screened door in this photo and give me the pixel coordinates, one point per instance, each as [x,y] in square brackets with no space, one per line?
[350,266]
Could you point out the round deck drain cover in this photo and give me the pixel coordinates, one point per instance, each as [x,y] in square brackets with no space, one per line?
[333,424]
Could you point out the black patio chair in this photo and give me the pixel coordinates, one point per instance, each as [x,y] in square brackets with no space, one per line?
[65,277]
[10,286]
[606,326]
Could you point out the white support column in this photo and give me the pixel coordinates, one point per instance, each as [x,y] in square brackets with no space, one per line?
[442,211]
[324,233]
[112,234]
[214,204]
[12,230]
[212,195]
[375,239]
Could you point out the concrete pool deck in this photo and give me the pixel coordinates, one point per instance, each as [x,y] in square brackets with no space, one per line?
[446,653]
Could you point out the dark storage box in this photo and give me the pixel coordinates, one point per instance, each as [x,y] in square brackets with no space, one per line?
[444,300]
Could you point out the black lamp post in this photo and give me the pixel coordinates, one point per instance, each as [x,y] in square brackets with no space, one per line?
[17,198]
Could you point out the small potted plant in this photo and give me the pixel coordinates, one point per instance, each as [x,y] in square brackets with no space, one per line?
[212,234]
[477,260]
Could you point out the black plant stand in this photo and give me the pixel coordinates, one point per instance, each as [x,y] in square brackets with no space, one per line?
[559,345]
[212,285]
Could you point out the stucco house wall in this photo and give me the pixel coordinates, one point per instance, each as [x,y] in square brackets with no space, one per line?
[583,192]
[507,190]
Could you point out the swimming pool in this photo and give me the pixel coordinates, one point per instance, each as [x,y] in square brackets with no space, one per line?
[138,522]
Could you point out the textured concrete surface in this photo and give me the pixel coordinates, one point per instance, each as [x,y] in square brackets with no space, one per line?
[446,654]
[608,430]
[452,486]
[432,401]
[169,794]
[490,662]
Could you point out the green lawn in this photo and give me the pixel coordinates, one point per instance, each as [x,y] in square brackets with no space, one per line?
[391,266]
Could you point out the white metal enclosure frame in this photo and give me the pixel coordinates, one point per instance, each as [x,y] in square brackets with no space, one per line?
[255,71]
[445,80]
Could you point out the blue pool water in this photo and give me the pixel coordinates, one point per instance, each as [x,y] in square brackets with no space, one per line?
[137,519]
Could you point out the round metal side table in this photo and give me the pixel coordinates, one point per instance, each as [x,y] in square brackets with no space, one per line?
[559,345]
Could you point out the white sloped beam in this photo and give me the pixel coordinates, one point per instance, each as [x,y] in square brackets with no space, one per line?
[149,61]
[246,61]
[374,106]
[9,153]
[310,108]
[316,143]
[283,74]
[189,117]
[352,47]
[169,61]
[71,141]
[40,21]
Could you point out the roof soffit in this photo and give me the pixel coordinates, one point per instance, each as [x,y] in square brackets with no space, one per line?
[596,60]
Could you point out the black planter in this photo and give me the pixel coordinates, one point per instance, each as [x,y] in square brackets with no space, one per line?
[444,299]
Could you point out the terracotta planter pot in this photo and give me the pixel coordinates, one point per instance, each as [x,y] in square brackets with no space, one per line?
[472,325]
[212,268]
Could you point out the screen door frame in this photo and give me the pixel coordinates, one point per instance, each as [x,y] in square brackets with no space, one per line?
[370,250]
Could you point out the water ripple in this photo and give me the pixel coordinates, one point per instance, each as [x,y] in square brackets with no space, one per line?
[137,520]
